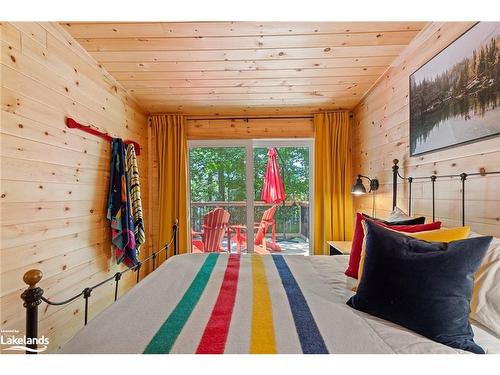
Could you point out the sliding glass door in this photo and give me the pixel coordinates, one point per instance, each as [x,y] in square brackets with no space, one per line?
[226,211]
[289,224]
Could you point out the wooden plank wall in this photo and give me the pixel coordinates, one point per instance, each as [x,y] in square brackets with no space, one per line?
[381,135]
[54,180]
[251,128]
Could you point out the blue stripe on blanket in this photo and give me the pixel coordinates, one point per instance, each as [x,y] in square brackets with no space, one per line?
[310,338]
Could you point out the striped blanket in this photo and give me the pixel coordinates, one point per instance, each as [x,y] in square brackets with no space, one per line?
[220,303]
[262,331]
[135,196]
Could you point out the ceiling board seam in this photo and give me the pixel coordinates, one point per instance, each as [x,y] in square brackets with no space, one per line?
[231,60]
[347,34]
[244,49]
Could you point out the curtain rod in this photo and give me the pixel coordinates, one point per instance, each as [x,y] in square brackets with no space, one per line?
[239,117]
[246,117]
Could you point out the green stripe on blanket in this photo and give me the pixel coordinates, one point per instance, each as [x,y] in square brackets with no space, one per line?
[164,339]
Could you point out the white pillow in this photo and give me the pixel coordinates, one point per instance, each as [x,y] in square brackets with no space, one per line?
[485,302]
[398,215]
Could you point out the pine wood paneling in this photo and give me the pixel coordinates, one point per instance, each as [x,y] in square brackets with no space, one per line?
[244,84]
[381,135]
[235,55]
[188,66]
[224,29]
[252,74]
[253,128]
[265,57]
[54,179]
[247,42]
[249,97]
[309,89]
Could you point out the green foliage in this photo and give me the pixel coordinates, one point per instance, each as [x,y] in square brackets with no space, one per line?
[217,174]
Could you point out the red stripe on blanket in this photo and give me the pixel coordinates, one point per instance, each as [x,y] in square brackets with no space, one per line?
[214,337]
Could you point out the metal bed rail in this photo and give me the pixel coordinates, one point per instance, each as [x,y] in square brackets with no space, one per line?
[433,178]
[33,296]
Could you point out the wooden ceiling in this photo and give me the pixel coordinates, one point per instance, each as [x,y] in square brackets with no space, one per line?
[245,68]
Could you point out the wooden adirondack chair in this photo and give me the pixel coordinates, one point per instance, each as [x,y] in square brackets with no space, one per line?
[260,243]
[215,224]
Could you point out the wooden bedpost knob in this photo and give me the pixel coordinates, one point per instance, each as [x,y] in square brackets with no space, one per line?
[32,277]
[395,161]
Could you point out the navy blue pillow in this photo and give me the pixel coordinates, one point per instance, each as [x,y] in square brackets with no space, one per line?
[423,286]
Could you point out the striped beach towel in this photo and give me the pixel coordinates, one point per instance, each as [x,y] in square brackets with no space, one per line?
[135,196]
[249,301]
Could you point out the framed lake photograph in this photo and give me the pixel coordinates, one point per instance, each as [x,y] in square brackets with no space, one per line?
[455,97]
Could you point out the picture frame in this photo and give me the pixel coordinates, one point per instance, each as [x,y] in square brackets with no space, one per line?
[454,97]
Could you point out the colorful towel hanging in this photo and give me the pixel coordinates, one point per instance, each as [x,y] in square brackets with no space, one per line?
[119,213]
[135,195]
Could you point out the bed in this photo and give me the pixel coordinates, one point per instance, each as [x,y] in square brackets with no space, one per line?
[269,304]
[231,303]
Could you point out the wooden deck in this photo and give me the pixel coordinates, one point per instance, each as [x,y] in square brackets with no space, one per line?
[295,246]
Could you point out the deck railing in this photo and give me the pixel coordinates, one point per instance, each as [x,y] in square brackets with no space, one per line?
[292,217]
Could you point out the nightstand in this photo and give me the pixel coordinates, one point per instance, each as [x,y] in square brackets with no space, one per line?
[339,247]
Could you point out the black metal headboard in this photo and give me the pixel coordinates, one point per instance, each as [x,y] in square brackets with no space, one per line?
[432,179]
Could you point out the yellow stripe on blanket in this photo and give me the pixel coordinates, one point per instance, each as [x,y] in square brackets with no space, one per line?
[262,340]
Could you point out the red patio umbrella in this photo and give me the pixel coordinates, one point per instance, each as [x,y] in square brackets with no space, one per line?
[273,190]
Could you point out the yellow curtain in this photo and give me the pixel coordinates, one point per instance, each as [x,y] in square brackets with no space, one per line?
[333,214]
[169,133]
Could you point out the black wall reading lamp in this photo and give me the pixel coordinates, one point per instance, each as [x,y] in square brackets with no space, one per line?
[359,189]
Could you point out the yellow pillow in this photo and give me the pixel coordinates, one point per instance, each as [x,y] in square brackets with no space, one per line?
[438,235]
[442,235]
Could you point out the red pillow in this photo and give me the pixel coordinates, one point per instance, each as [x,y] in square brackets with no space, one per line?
[359,235]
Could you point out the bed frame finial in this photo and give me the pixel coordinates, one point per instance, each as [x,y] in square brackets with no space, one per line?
[395,173]
[32,277]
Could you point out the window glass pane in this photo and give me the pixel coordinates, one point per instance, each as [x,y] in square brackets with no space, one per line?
[218,198]
[290,219]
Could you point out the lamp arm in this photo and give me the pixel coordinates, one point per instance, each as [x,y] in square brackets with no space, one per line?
[374,184]
[362,176]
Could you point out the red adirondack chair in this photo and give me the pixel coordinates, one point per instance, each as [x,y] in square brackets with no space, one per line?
[215,224]
[260,243]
